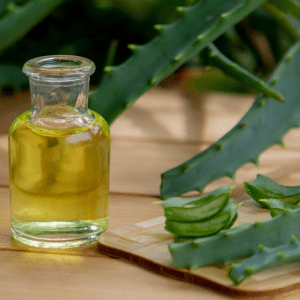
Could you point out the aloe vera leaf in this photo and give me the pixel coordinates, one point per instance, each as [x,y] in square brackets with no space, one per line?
[262,126]
[277,207]
[3,6]
[21,19]
[215,58]
[264,188]
[237,50]
[288,7]
[204,227]
[265,258]
[176,43]
[281,19]
[11,76]
[198,208]
[238,242]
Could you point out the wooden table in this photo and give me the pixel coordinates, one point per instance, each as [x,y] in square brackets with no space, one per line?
[164,128]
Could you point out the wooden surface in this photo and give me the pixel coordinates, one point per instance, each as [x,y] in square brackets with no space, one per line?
[146,244]
[161,130]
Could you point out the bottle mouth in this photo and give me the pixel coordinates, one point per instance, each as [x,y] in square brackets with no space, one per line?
[59,68]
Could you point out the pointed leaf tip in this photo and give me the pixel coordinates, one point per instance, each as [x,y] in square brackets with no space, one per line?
[108,69]
[257,223]
[294,239]
[290,57]
[262,103]
[200,37]
[158,27]
[11,7]
[224,15]
[177,58]
[275,80]
[249,271]
[157,202]
[180,9]
[132,47]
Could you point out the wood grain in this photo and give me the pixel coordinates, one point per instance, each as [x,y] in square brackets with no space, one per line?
[123,210]
[161,130]
[48,276]
[146,244]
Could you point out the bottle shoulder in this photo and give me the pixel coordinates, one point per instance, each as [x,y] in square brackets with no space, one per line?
[100,120]
[20,121]
[59,122]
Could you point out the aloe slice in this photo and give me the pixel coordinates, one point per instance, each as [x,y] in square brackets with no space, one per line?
[197,208]
[205,227]
[278,207]
[265,188]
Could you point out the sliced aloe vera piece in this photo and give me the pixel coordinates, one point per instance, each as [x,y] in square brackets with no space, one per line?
[265,188]
[181,239]
[197,208]
[278,207]
[204,227]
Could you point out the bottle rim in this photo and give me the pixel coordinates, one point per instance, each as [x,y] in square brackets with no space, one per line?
[59,68]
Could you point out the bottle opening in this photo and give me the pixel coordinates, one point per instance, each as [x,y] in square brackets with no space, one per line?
[59,62]
[59,68]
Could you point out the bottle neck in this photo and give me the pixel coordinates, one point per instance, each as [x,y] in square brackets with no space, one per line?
[46,94]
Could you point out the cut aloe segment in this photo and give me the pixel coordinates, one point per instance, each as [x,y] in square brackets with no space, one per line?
[198,208]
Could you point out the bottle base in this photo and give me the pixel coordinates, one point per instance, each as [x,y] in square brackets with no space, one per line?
[58,235]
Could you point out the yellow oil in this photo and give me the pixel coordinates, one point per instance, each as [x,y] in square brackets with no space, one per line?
[59,177]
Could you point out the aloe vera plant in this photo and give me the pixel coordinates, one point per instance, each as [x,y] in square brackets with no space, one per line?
[266,258]
[176,43]
[264,188]
[264,124]
[199,25]
[14,24]
[277,207]
[214,57]
[253,134]
[238,242]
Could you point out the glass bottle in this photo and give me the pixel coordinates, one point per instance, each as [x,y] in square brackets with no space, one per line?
[59,158]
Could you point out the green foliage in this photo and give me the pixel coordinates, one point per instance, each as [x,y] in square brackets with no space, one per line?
[239,242]
[263,126]
[215,58]
[266,258]
[232,25]
[13,25]
[278,207]
[11,78]
[84,28]
[176,43]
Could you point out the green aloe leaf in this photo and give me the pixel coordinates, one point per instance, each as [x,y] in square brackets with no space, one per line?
[264,188]
[263,125]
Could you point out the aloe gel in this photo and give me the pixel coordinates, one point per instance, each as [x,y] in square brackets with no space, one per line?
[59,158]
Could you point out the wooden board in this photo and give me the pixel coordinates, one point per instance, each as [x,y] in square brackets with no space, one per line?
[146,244]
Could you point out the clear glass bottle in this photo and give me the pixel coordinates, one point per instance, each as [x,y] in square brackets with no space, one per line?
[59,158]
